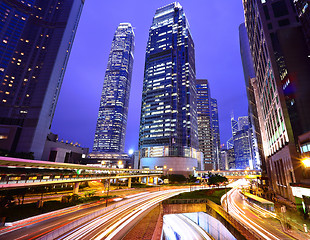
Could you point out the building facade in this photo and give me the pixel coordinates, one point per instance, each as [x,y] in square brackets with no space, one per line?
[281,87]
[65,152]
[168,123]
[215,134]
[234,125]
[227,159]
[205,131]
[36,40]
[249,74]
[112,117]
[242,148]
[303,11]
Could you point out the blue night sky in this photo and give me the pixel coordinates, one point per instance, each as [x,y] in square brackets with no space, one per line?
[214,27]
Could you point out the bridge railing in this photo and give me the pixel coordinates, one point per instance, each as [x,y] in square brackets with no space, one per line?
[26,179]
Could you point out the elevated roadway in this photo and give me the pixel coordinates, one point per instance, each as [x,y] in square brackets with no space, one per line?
[72,173]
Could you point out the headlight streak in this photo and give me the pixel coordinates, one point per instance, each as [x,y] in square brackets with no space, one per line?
[81,231]
[88,228]
[118,226]
[178,226]
[197,227]
[262,211]
[241,216]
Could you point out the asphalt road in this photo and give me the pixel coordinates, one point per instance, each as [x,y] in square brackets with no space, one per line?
[264,225]
[176,226]
[40,225]
[117,222]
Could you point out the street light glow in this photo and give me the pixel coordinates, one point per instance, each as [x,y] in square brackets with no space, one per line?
[306,162]
[130,152]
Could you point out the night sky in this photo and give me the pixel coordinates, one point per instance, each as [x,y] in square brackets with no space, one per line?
[214,27]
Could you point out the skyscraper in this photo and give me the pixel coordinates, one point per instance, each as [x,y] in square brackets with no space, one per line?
[36,40]
[205,132]
[113,110]
[242,148]
[234,125]
[215,134]
[281,87]
[168,124]
[249,74]
[303,11]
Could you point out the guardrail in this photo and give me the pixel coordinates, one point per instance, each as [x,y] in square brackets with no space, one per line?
[24,181]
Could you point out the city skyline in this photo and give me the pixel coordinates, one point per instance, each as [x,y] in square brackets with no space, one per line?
[70,124]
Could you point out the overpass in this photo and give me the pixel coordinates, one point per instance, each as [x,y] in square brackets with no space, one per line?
[232,174]
[72,173]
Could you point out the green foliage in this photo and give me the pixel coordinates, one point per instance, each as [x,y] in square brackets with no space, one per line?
[211,194]
[216,179]
[192,179]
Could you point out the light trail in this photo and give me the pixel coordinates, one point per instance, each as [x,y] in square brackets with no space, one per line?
[110,224]
[241,215]
[177,226]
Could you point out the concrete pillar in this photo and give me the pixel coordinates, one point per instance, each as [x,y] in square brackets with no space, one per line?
[156,180]
[129,182]
[147,180]
[76,188]
[140,179]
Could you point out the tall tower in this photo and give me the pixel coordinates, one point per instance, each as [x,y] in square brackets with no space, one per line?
[249,74]
[281,87]
[113,110]
[234,125]
[215,133]
[36,40]
[168,125]
[205,132]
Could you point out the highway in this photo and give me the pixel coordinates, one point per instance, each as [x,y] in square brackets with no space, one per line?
[263,225]
[109,222]
[177,226]
[116,223]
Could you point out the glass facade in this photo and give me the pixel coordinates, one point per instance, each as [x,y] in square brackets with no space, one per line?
[36,37]
[216,134]
[249,74]
[168,112]
[242,148]
[113,110]
[205,134]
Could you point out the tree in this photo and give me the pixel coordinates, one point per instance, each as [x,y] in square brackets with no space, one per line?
[216,179]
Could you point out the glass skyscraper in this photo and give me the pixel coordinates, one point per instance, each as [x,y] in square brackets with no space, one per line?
[113,110]
[36,37]
[168,124]
[215,133]
[281,87]
[205,131]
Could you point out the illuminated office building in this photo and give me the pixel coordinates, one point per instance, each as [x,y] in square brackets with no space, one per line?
[215,134]
[281,87]
[36,37]
[168,125]
[113,109]
[249,74]
[234,125]
[205,133]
